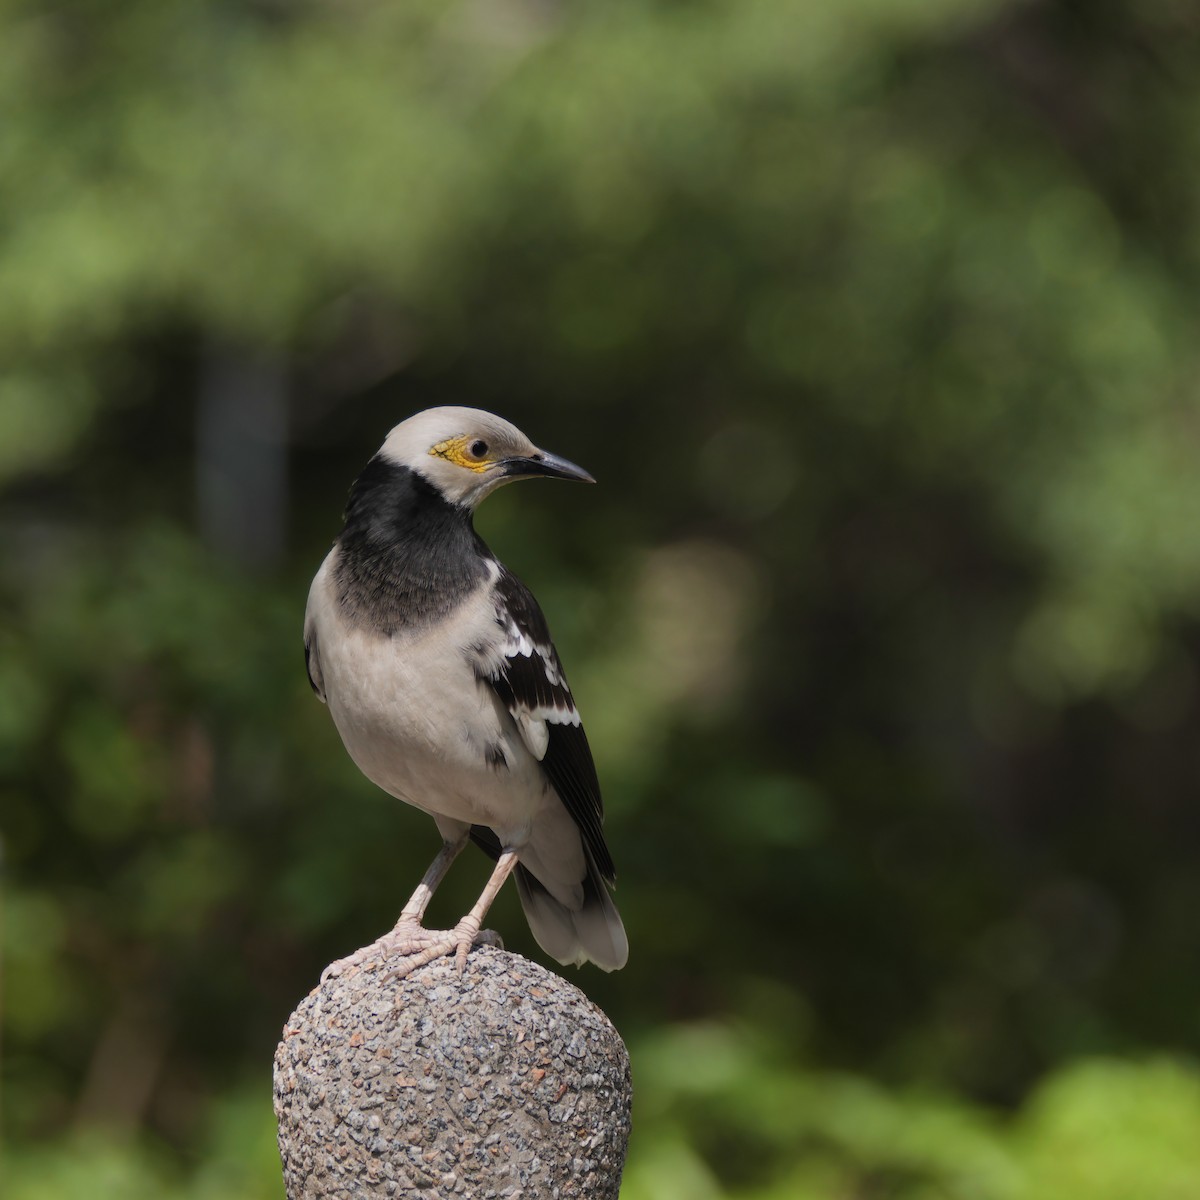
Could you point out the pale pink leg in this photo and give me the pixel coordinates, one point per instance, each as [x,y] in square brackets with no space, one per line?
[466,933]
[408,935]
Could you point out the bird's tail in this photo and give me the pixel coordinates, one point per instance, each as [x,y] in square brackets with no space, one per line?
[591,933]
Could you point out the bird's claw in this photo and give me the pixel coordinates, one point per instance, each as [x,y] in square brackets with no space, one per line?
[417,946]
[342,965]
[407,937]
[438,943]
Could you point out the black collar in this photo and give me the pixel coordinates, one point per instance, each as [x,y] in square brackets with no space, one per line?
[407,556]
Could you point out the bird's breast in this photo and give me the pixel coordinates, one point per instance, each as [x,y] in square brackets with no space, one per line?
[419,724]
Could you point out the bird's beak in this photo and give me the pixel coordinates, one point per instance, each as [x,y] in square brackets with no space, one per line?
[541,463]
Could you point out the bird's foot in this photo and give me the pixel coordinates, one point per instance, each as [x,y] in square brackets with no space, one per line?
[437,943]
[416,945]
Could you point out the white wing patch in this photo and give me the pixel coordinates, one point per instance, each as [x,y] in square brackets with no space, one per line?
[535,733]
[539,693]
[525,672]
[517,660]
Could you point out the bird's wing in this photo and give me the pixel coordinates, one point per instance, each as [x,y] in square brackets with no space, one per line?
[312,653]
[312,664]
[529,680]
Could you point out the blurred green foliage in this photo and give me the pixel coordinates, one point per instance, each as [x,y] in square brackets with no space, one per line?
[876,322]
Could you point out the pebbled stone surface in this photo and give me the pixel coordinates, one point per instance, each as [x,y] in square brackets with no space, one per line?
[504,1082]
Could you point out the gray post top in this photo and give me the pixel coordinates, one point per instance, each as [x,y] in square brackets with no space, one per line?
[506,1081]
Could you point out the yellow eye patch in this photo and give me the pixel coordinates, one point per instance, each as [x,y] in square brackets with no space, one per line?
[458,450]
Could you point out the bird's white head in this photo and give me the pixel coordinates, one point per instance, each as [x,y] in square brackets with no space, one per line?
[467,453]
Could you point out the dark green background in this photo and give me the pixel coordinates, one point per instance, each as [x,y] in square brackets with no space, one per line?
[877,322]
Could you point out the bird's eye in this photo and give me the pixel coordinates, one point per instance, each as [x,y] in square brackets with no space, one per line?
[478,448]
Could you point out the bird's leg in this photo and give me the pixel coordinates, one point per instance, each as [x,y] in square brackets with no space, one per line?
[413,912]
[468,929]
[408,936]
[466,933]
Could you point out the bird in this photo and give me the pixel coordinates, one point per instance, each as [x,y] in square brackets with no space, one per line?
[438,668]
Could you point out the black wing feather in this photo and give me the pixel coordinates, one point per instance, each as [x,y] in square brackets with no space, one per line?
[526,683]
[312,664]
